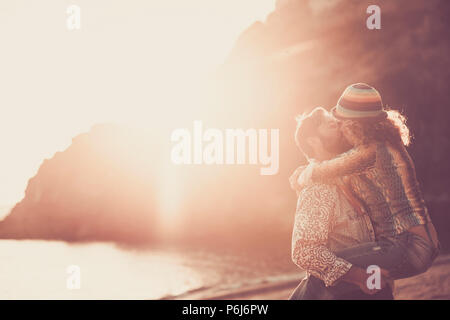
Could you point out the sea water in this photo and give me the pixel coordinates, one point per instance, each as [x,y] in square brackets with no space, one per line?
[37,269]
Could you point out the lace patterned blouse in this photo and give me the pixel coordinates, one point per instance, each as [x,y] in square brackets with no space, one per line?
[326,222]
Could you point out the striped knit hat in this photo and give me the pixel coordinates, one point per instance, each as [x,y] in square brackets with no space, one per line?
[359,102]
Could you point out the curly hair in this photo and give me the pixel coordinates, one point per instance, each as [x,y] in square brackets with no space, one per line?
[393,128]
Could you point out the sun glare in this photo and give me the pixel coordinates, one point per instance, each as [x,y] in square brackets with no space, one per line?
[129,62]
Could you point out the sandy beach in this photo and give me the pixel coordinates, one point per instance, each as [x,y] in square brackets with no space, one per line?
[433,284]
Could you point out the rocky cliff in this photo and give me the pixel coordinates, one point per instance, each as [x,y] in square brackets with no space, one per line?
[90,191]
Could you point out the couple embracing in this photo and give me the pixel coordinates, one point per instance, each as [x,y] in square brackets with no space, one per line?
[359,203]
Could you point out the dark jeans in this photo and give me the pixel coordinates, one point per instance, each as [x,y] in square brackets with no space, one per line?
[404,256]
[312,288]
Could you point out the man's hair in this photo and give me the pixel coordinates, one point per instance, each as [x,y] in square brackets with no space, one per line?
[307,126]
[392,129]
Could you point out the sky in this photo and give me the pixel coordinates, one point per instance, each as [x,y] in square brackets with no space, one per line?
[123,64]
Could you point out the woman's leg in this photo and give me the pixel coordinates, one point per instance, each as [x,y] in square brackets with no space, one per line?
[386,254]
[405,256]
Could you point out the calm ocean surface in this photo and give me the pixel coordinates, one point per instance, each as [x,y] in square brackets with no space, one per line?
[33,269]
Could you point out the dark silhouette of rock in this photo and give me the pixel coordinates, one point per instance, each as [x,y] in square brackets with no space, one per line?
[99,188]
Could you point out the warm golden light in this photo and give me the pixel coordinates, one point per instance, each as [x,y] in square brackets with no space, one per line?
[128,63]
[148,146]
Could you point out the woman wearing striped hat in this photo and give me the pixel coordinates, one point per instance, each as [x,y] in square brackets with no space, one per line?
[380,173]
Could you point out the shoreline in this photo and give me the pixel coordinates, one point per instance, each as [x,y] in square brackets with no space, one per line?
[431,285]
